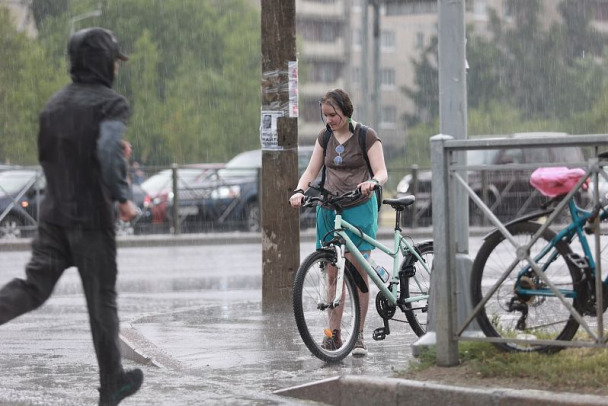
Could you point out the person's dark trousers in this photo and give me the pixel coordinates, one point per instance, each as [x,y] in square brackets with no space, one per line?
[93,252]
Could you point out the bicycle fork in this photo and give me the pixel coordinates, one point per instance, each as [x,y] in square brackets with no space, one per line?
[325,302]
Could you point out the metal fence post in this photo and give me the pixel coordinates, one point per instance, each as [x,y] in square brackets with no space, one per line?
[176,228]
[443,274]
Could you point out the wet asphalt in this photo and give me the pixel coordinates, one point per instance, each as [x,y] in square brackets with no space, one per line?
[193,313]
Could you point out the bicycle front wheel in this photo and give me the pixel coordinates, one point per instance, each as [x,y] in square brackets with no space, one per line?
[317,320]
[523,307]
[418,286]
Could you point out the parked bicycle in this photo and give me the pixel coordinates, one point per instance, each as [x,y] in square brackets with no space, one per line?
[528,283]
[326,283]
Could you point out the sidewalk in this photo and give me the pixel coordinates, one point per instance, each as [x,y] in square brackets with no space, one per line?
[201,338]
[220,238]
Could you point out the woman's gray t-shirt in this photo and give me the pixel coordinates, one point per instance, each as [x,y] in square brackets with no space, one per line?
[343,174]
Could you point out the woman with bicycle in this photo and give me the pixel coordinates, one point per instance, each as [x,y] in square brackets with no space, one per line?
[338,151]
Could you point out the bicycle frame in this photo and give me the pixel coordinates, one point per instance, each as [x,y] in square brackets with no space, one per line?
[575,228]
[400,246]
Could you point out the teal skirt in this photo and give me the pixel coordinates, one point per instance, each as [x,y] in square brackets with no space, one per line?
[364,216]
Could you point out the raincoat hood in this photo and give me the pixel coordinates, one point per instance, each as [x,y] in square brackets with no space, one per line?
[92,53]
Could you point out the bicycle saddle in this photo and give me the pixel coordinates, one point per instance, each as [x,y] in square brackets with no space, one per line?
[400,203]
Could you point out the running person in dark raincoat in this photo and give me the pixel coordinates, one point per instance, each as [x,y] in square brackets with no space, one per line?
[84,158]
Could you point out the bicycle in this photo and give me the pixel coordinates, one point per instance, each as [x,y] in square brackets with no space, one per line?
[526,285]
[326,283]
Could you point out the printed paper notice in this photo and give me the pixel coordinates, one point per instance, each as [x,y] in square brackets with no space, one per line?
[269,135]
[292,67]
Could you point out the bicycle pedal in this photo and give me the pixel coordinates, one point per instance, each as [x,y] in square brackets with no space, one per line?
[379,334]
[580,262]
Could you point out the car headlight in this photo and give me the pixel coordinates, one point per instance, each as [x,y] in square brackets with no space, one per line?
[226,192]
[404,185]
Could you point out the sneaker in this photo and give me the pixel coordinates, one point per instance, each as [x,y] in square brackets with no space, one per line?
[129,384]
[359,350]
[332,343]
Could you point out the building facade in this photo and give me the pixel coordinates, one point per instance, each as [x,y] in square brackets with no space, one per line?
[333,53]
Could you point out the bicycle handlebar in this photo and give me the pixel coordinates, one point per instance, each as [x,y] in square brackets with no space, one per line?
[329,199]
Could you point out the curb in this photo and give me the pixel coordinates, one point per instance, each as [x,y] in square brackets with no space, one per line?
[136,347]
[166,240]
[367,390]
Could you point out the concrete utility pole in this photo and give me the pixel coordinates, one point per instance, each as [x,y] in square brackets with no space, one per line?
[280,222]
[364,113]
[376,100]
[451,235]
[453,122]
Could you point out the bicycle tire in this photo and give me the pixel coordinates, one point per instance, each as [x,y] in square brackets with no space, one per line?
[311,321]
[547,317]
[419,283]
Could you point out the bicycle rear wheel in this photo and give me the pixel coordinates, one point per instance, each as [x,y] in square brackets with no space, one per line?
[314,288]
[510,312]
[418,284]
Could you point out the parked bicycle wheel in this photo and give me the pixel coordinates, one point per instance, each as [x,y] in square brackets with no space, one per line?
[418,283]
[314,289]
[513,311]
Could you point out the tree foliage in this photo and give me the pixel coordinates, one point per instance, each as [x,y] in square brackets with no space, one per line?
[27,79]
[522,77]
[192,79]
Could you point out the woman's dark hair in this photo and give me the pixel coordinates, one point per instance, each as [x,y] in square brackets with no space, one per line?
[338,98]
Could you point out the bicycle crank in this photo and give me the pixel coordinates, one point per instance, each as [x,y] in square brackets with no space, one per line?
[384,308]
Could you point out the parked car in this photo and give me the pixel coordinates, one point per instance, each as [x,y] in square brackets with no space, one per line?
[509,193]
[157,193]
[230,200]
[20,193]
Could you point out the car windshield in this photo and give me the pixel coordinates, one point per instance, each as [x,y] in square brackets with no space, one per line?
[164,180]
[481,156]
[12,182]
[245,164]
[568,154]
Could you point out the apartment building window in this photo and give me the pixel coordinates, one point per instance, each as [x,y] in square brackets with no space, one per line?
[324,72]
[387,78]
[601,12]
[387,40]
[356,75]
[480,10]
[357,38]
[395,8]
[419,40]
[508,9]
[319,31]
[310,110]
[388,116]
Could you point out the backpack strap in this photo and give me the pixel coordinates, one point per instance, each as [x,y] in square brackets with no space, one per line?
[324,143]
[362,139]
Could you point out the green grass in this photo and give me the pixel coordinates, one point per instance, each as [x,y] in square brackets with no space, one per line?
[573,369]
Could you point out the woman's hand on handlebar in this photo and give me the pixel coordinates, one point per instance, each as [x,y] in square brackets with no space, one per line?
[296,199]
[368,187]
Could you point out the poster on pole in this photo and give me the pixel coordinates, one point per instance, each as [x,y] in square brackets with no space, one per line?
[269,135]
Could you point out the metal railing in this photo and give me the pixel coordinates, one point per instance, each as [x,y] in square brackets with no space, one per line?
[451,320]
